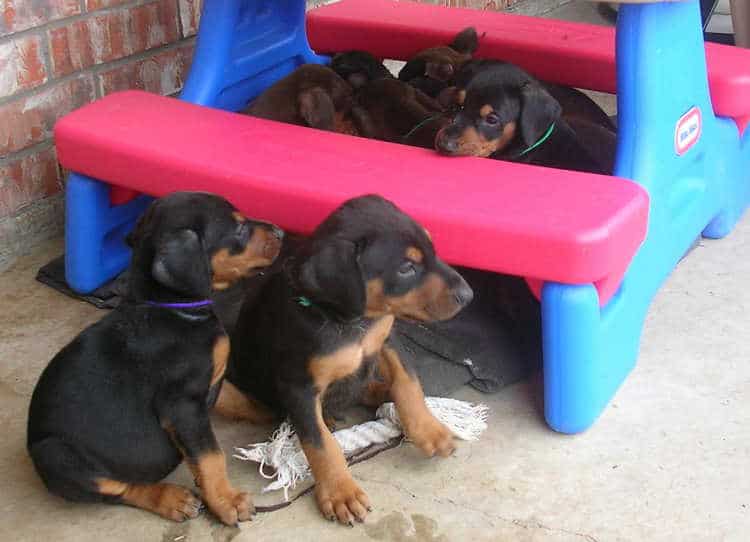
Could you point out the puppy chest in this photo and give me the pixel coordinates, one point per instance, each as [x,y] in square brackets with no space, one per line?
[347,359]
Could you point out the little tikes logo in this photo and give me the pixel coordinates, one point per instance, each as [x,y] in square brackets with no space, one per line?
[688,131]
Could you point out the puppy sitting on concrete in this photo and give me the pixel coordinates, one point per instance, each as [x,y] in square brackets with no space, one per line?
[128,400]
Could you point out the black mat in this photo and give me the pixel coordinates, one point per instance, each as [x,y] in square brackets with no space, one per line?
[493,343]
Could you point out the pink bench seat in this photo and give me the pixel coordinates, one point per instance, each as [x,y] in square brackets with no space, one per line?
[574,54]
[532,222]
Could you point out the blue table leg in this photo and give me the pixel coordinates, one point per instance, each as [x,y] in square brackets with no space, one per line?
[245,46]
[95,251]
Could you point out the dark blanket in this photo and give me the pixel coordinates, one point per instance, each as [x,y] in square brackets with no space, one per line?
[493,343]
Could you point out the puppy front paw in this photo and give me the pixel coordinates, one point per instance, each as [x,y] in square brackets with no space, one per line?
[342,499]
[174,502]
[231,506]
[432,437]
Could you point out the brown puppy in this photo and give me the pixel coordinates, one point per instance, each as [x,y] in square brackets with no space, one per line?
[315,338]
[432,70]
[312,95]
[392,110]
[359,68]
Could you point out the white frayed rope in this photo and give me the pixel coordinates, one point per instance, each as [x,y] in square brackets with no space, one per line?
[284,456]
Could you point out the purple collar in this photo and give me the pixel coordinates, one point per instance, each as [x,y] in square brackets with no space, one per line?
[189,305]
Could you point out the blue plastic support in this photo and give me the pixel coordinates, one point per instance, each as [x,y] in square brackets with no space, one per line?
[244,47]
[695,166]
[662,87]
[95,251]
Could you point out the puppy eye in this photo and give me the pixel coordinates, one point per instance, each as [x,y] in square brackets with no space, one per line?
[407,269]
[492,119]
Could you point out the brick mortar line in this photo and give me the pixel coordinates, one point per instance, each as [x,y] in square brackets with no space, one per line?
[94,70]
[99,68]
[44,52]
[48,201]
[42,146]
[57,23]
[180,29]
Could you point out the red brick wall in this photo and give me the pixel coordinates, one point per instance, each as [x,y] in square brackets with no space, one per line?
[57,55]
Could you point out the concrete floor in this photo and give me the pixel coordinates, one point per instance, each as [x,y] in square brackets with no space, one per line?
[666,461]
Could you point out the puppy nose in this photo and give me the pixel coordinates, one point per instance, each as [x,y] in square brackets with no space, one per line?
[463,294]
[447,144]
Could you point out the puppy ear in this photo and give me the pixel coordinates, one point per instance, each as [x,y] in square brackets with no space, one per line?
[538,111]
[331,277]
[180,264]
[466,41]
[316,107]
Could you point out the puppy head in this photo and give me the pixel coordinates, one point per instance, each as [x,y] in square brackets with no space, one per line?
[370,259]
[501,105]
[359,68]
[191,242]
[431,69]
[322,96]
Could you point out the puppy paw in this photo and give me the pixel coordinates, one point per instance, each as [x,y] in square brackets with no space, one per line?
[176,503]
[433,438]
[231,506]
[342,500]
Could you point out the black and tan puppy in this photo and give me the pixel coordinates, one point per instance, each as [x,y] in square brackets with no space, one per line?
[127,401]
[314,340]
[359,68]
[312,95]
[433,69]
[392,110]
[506,114]
[575,105]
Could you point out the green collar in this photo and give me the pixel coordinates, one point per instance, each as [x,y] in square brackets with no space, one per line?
[541,140]
[302,301]
[419,125]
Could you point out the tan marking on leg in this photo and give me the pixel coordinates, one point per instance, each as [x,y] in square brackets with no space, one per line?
[168,500]
[228,504]
[345,361]
[219,358]
[234,404]
[420,426]
[327,369]
[378,389]
[377,334]
[337,494]
[414,254]
[239,217]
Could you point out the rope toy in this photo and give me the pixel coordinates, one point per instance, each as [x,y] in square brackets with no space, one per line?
[285,457]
